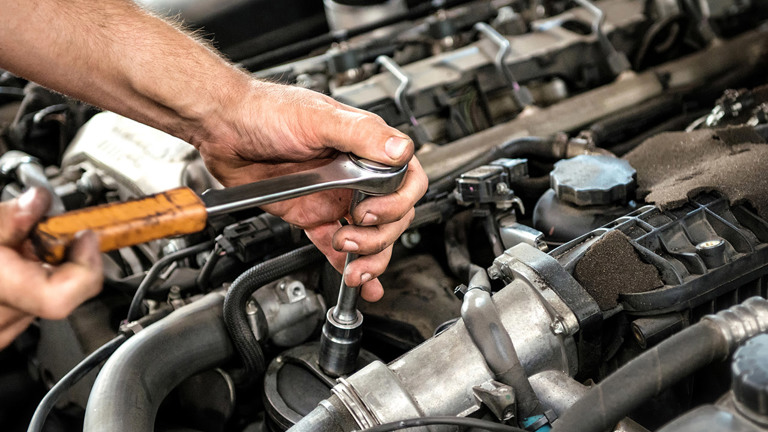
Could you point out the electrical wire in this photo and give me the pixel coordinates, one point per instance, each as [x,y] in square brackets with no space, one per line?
[444,420]
[134,311]
[71,378]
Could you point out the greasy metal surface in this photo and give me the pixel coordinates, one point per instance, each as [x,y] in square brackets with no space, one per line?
[451,359]
[175,212]
[694,71]
[346,171]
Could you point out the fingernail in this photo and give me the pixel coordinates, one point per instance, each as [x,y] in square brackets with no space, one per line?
[350,246]
[365,277]
[370,219]
[395,147]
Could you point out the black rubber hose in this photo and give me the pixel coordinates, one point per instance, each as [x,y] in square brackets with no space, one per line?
[134,311]
[463,422]
[71,378]
[140,374]
[531,145]
[240,292]
[203,278]
[631,122]
[642,378]
[456,249]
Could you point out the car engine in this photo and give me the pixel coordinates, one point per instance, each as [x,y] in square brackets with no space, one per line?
[590,254]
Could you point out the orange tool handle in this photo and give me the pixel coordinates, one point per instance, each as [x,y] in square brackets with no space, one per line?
[171,213]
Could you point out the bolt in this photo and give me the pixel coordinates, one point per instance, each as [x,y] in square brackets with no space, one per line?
[710,244]
[494,273]
[281,286]
[410,239]
[557,326]
[508,414]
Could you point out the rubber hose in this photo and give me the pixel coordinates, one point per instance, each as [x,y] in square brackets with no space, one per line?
[484,325]
[140,374]
[456,249]
[642,378]
[240,292]
[530,145]
[631,122]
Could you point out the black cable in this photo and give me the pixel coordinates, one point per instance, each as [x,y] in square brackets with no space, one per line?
[203,277]
[134,311]
[444,420]
[86,365]
[71,378]
[240,292]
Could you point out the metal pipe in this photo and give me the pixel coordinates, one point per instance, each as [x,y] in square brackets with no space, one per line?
[141,373]
[401,100]
[522,95]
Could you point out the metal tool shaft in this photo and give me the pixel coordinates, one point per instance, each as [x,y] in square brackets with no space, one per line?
[340,340]
[346,171]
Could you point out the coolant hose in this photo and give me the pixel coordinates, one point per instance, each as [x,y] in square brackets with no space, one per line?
[141,373]
[240,292]
[713,338]
[547,147]
[484,325]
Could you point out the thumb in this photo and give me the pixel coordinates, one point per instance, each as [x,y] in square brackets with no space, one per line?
[18,216]
[366,135]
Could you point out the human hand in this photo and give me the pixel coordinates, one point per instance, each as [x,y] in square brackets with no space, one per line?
[29,288]
[275,130]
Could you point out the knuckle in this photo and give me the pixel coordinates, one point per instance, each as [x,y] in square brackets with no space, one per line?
[55,308]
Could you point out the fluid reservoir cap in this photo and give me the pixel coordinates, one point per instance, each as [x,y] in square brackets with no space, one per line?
[749,371]
[593,180]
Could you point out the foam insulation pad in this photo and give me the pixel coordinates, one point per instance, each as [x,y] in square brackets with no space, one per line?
[611,267]
[675,166]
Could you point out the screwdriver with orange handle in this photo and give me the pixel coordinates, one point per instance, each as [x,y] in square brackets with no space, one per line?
[181,211]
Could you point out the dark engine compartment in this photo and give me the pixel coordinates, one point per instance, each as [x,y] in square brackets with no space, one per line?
[597,199]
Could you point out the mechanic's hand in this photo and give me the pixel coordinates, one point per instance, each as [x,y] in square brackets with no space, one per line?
[277,130]
[29,288]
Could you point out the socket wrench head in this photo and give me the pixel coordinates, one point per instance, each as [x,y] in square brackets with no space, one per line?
[340,345]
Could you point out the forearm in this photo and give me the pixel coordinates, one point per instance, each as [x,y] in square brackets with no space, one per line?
[114,55]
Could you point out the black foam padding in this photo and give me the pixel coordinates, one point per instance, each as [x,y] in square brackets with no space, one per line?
[611,267]
[673,167]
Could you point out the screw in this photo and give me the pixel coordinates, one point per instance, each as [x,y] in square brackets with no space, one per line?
[557,326]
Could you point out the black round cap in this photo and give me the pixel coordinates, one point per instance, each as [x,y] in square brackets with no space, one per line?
[593,180]
[750,374]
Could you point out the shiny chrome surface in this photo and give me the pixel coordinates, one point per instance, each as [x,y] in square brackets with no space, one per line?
[346,171]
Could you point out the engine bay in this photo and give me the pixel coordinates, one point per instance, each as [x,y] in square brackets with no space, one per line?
[590,254]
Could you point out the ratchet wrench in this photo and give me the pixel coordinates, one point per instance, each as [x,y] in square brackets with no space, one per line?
[181,211]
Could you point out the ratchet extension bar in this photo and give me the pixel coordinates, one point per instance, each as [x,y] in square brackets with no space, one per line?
[181,211]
